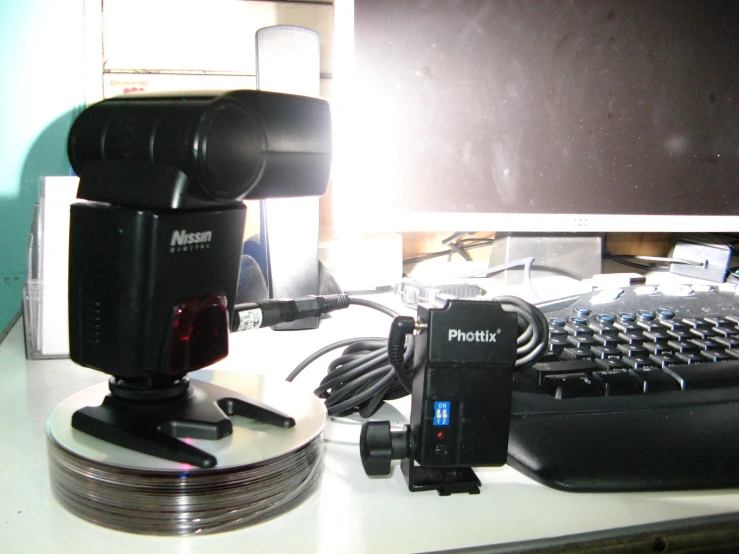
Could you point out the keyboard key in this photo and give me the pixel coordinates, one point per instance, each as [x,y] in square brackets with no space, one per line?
[638,362]
[603,352]
[707,344]
[727,342]
[664,360]
[726,331]
[633,349]
[706,375]
[715,355]
[581,341]
[696,322]
[539,371]
[664,314]
[559,340]
[651,325]
[683,346]
[571,386]
[627,327]
[604,319]
[578,329]
[611,363]
[577,354]
[557,332]
[617,382]
[690,357]
[633,337]
[680,334]
[645,315]
[673,324]
[601,328]
[578,320]
[657,335]
[626,317]
[658,348]
[703,332]
[557,345]
[718,321]
[656,380]
[607,339]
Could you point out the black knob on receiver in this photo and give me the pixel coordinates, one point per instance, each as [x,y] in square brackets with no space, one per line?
[379,445]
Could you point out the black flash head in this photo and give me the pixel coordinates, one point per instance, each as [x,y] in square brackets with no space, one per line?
[155,252]
[193,150]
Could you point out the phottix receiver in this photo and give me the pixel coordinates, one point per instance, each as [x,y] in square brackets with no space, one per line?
[465,354]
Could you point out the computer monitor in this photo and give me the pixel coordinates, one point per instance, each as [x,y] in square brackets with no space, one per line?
[541,116]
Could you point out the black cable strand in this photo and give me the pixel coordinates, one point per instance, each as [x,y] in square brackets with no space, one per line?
[455,237]
[534,329]
[373,404]
[372,398]
[325,350]
[374,305]
[478,243]
[361,378]
[356,390]
[349,368]
[625,259]
[454,249]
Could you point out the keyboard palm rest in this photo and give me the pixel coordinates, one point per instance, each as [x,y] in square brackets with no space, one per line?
[639,391]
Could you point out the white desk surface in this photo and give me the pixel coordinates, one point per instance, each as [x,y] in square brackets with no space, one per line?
[350,513]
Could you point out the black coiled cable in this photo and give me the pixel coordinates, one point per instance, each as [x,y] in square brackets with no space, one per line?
[362,377]
[533,335]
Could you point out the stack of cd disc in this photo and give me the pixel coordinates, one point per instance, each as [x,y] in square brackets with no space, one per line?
[263,471]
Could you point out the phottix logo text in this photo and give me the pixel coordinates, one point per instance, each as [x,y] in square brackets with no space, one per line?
[473,336]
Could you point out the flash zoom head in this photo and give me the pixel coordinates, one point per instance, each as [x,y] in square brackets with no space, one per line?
[192,150]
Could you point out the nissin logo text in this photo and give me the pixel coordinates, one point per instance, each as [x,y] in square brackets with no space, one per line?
[473,336]
[182,240]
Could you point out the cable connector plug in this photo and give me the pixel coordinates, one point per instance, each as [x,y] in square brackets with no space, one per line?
[255,315]
[402,325]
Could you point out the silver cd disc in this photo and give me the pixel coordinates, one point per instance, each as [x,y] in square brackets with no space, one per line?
[262,470]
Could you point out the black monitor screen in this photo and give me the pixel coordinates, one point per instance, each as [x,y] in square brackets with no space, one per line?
[563,108]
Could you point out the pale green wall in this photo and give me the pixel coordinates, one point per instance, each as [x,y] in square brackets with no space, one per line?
[41,91]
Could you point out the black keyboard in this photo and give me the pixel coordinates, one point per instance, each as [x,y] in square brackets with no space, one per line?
[639,391]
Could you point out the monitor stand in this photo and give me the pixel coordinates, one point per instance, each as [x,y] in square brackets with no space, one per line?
[573,255]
